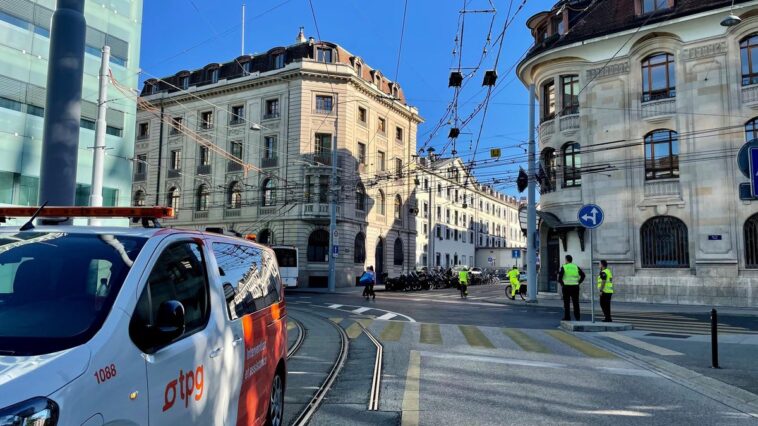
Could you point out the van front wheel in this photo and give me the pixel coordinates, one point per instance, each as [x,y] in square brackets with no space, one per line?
[276,402]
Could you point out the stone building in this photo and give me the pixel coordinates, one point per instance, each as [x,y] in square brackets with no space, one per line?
[247,146]
[644,106]
[459,216]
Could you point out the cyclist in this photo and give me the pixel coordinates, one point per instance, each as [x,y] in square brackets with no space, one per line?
[463,277]
[513,276]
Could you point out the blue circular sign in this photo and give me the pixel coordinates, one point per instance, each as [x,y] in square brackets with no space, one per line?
[590,216]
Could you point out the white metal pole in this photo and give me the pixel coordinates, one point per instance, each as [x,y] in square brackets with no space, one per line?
[592,277]
[332,280]
[242,48]
[531,218]
[98,153]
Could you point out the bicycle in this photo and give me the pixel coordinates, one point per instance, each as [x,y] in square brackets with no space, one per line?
[521,291]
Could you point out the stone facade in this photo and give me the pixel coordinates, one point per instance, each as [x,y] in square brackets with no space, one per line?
[708,255]
[292,108]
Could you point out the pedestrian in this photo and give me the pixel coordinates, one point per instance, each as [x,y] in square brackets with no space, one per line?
[368,279]
[513,276]
[570,276]
[605,286]
[463,277]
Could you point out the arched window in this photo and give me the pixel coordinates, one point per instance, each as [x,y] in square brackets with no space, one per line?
[572,164]
[751,242]
[360,197]
[202,198]
[234,195]
[751,127]
[398,207]
[749,57]
[265,237]
[382,203]
[661,155]
[398,256]
[664,243]
[172,198]
[548,170]
[359,248]
[318,246]
[658,77]
[139,198]
[268,193]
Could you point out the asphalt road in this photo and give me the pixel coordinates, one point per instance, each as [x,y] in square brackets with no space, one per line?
[452,361]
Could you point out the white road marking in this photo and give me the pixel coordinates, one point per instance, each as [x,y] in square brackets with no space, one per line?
[335,306]
[358,309]
[642,345]
[386,316]
[361,310]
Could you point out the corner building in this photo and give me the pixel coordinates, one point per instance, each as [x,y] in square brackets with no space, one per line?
[247,146]
[644,106]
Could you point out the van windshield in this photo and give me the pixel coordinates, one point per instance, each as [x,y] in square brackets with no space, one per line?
[56,288]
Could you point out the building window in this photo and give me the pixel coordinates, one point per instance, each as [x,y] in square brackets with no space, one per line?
[362,115]
[238,115]
[272,108]
[234,196]
[141,167]
[398,255]
[572,164]
[267,237]
[398,167]
[204,156]
[380,159]
[318,246]
[359,70]
[548,171]
[206,120]
[381,125]
[235,148]
[176,125]
[202,198]
[398,208]
[751,130]
[749,57]
[658,77]
[176,159]
[323,188]
[184,82]
[382,203]
[398,134]
[323,144]
[139,198]
[324,54]
[324,103]
[172,198]
[361,153]
[548,100]
[570,84]
[269,147]
[143,131]
[359,248]
[661,155]
[664,243]
[278,61]
[268,196]
[247,68]
[751,242]
[649,6]
[360,197]
[308,196]
[213,75]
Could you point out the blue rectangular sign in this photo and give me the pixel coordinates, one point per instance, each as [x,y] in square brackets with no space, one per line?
[516,254]
[753,154]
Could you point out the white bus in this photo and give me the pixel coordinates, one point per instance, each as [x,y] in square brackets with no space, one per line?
[286,256]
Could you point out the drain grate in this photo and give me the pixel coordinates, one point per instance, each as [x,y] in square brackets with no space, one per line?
[676,336]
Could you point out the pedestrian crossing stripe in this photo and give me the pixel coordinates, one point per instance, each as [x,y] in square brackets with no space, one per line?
[430,334]
[679,324]
[524,341]
[579,344]
[642,345]
[393,331]
[475,337]
[353,330]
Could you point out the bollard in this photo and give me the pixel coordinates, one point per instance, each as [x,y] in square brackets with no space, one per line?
[714,339]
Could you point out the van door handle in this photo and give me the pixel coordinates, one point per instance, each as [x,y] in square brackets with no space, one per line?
[236,341]
[215,352]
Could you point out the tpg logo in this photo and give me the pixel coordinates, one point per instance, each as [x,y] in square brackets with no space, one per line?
[189,383]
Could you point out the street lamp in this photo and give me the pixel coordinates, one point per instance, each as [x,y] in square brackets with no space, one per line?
[731,19]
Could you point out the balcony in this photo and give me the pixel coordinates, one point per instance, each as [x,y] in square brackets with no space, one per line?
[206,126]
[547,129]
[267,211]
[318,210]
[140,177]
[750,96]
[322,110]
[174,173]
[233,166]
[569,122]
[232,212]
[204,169]
[200,214]
[236,121]
[269,162]
[658,110]
[323,158]
[669,188]
[271,115]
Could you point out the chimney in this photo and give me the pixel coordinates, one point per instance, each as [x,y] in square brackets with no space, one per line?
[300,36]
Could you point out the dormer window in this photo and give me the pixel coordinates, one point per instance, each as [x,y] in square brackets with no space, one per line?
[324,54]
[650,6]
[213,75]
[279,61]
[184,82]
[359,69]
[247,67]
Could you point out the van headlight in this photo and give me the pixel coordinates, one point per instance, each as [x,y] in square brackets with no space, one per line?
[37,411]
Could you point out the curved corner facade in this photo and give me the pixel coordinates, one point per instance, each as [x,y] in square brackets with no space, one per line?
[646,120]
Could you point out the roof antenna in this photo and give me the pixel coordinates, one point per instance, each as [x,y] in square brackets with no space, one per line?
[30,224]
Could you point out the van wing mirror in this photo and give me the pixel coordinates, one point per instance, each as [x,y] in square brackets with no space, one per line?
[170,320]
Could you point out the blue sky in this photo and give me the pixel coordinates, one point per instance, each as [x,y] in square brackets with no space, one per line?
[188,34]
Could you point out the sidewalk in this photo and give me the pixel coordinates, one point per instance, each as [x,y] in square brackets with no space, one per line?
[340,290]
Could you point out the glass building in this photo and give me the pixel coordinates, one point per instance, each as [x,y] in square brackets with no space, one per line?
[24,48]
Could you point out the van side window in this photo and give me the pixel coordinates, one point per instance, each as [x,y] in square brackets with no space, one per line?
[249,271]
[179,274]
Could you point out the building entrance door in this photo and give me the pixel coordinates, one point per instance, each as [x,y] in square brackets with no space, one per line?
[553,260]
[379,261]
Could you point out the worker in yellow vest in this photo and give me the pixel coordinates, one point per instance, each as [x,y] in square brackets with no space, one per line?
[463,281]
[513,277]
[569,277]
[605,286]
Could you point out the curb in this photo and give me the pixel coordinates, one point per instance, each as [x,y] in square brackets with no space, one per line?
[732,396]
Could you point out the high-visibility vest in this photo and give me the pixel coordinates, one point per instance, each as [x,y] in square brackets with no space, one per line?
[513,275]
[609,281]
[463,277]
[570,274]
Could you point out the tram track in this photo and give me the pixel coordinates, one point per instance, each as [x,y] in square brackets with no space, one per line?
[292,350]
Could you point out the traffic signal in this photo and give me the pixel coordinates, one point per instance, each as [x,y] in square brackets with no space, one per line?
[522,181]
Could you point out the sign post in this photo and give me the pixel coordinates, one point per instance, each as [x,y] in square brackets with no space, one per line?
[591,216]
